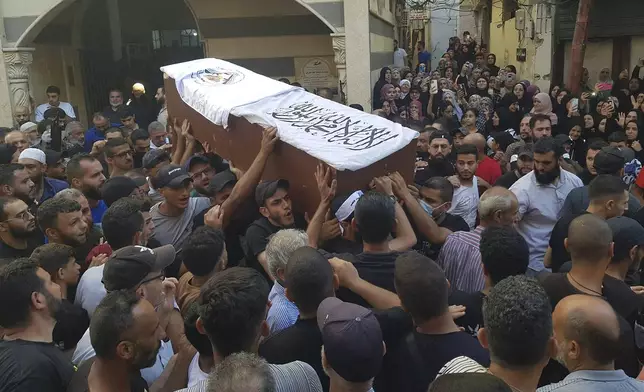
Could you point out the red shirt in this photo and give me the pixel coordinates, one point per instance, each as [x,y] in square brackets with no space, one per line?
[489,170]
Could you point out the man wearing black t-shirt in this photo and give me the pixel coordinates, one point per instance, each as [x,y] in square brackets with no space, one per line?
[116,368]
[18,234]
[608,198]
[590,243]
[414,363]
[309,280]
[438,162]
[504,252]
[277,213]
[29,361]
[524,163]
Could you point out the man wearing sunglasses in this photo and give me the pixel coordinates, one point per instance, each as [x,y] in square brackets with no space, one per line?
[140,270]
[118,155]
[17,229]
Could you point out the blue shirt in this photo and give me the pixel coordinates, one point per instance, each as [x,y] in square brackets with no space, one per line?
[93,135]
[282,313]
[98,211]
[596,380]
[424,57]
[51,186]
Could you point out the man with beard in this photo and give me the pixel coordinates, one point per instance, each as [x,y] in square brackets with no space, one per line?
[610,160]
[118,155]
[126,336]
[466,195]
[29,361]
[114,110]
[434,157]
[162,117]
[85,173]
[62,222]
[277,213]
[18,235]
[541,196]
[139,270]
[525,134]
[56,165]
[35,162]
[201,171]
[94,234]
[15,181]
[524,162]
[589,171]
[141,143]
[71,320]
[158,136]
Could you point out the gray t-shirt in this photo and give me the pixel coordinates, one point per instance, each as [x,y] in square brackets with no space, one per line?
[176,229]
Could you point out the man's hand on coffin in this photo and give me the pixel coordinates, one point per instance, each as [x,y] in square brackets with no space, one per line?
[327,183]
[413,190]
[166,147]
[269,139]
[383,185]
[97,147]
[186,131]
[399,186]
[207,149]
[214,217]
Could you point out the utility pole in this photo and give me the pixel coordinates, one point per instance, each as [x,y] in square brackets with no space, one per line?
[579,47]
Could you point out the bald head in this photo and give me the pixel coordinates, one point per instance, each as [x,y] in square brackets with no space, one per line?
[498,204]
[592,323]
[590,241]
[475,139]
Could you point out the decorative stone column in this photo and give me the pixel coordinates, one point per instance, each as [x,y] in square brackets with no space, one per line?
[17,61]
[339,48]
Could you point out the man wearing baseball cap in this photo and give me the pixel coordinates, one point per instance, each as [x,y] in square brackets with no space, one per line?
[628,251]
[173,217]
[353,346]
[610,160]
[139,269]
[55,164]
[152,161]
[35,162]
[521,163]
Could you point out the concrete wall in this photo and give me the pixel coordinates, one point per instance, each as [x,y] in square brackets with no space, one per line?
[381,36]
[59,66]
[443,25]
[505,40]
[637,51]
[271,37]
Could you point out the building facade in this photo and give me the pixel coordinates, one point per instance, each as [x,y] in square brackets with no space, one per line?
[86,47]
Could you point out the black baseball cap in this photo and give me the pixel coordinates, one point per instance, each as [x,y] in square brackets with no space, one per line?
[116,188]
[195,159]
[627,232]
[267,189]
[128,267]
[221,180]
[352,339]
[53,157]
[609,160]
[154,157]
[171,176]
[54,113]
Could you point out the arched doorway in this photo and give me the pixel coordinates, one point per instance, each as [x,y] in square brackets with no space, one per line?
[108,44]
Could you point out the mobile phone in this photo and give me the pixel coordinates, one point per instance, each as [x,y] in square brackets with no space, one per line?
[434,87]
[574,105]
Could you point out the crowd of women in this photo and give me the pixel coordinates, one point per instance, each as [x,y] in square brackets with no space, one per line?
[472,94]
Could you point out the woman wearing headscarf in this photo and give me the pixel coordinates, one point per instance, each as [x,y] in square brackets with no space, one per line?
[520,91]
[541,104]
[387,94]
[482,87]
[385,78]
[395,76]
[405,86]
[604,86]
[449,97]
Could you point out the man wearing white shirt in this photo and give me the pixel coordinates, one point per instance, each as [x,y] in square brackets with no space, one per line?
[400,56]
[53,101]
[541,195]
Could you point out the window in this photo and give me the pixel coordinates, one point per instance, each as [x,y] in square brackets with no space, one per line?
[187,38]
[510,8]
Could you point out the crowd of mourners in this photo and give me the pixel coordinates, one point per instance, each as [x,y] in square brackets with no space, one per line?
[136,258]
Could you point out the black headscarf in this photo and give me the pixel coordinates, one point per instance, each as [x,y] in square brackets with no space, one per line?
[375,99]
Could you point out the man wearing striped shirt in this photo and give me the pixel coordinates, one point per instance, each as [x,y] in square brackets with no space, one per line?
[233,306]
[460,256]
